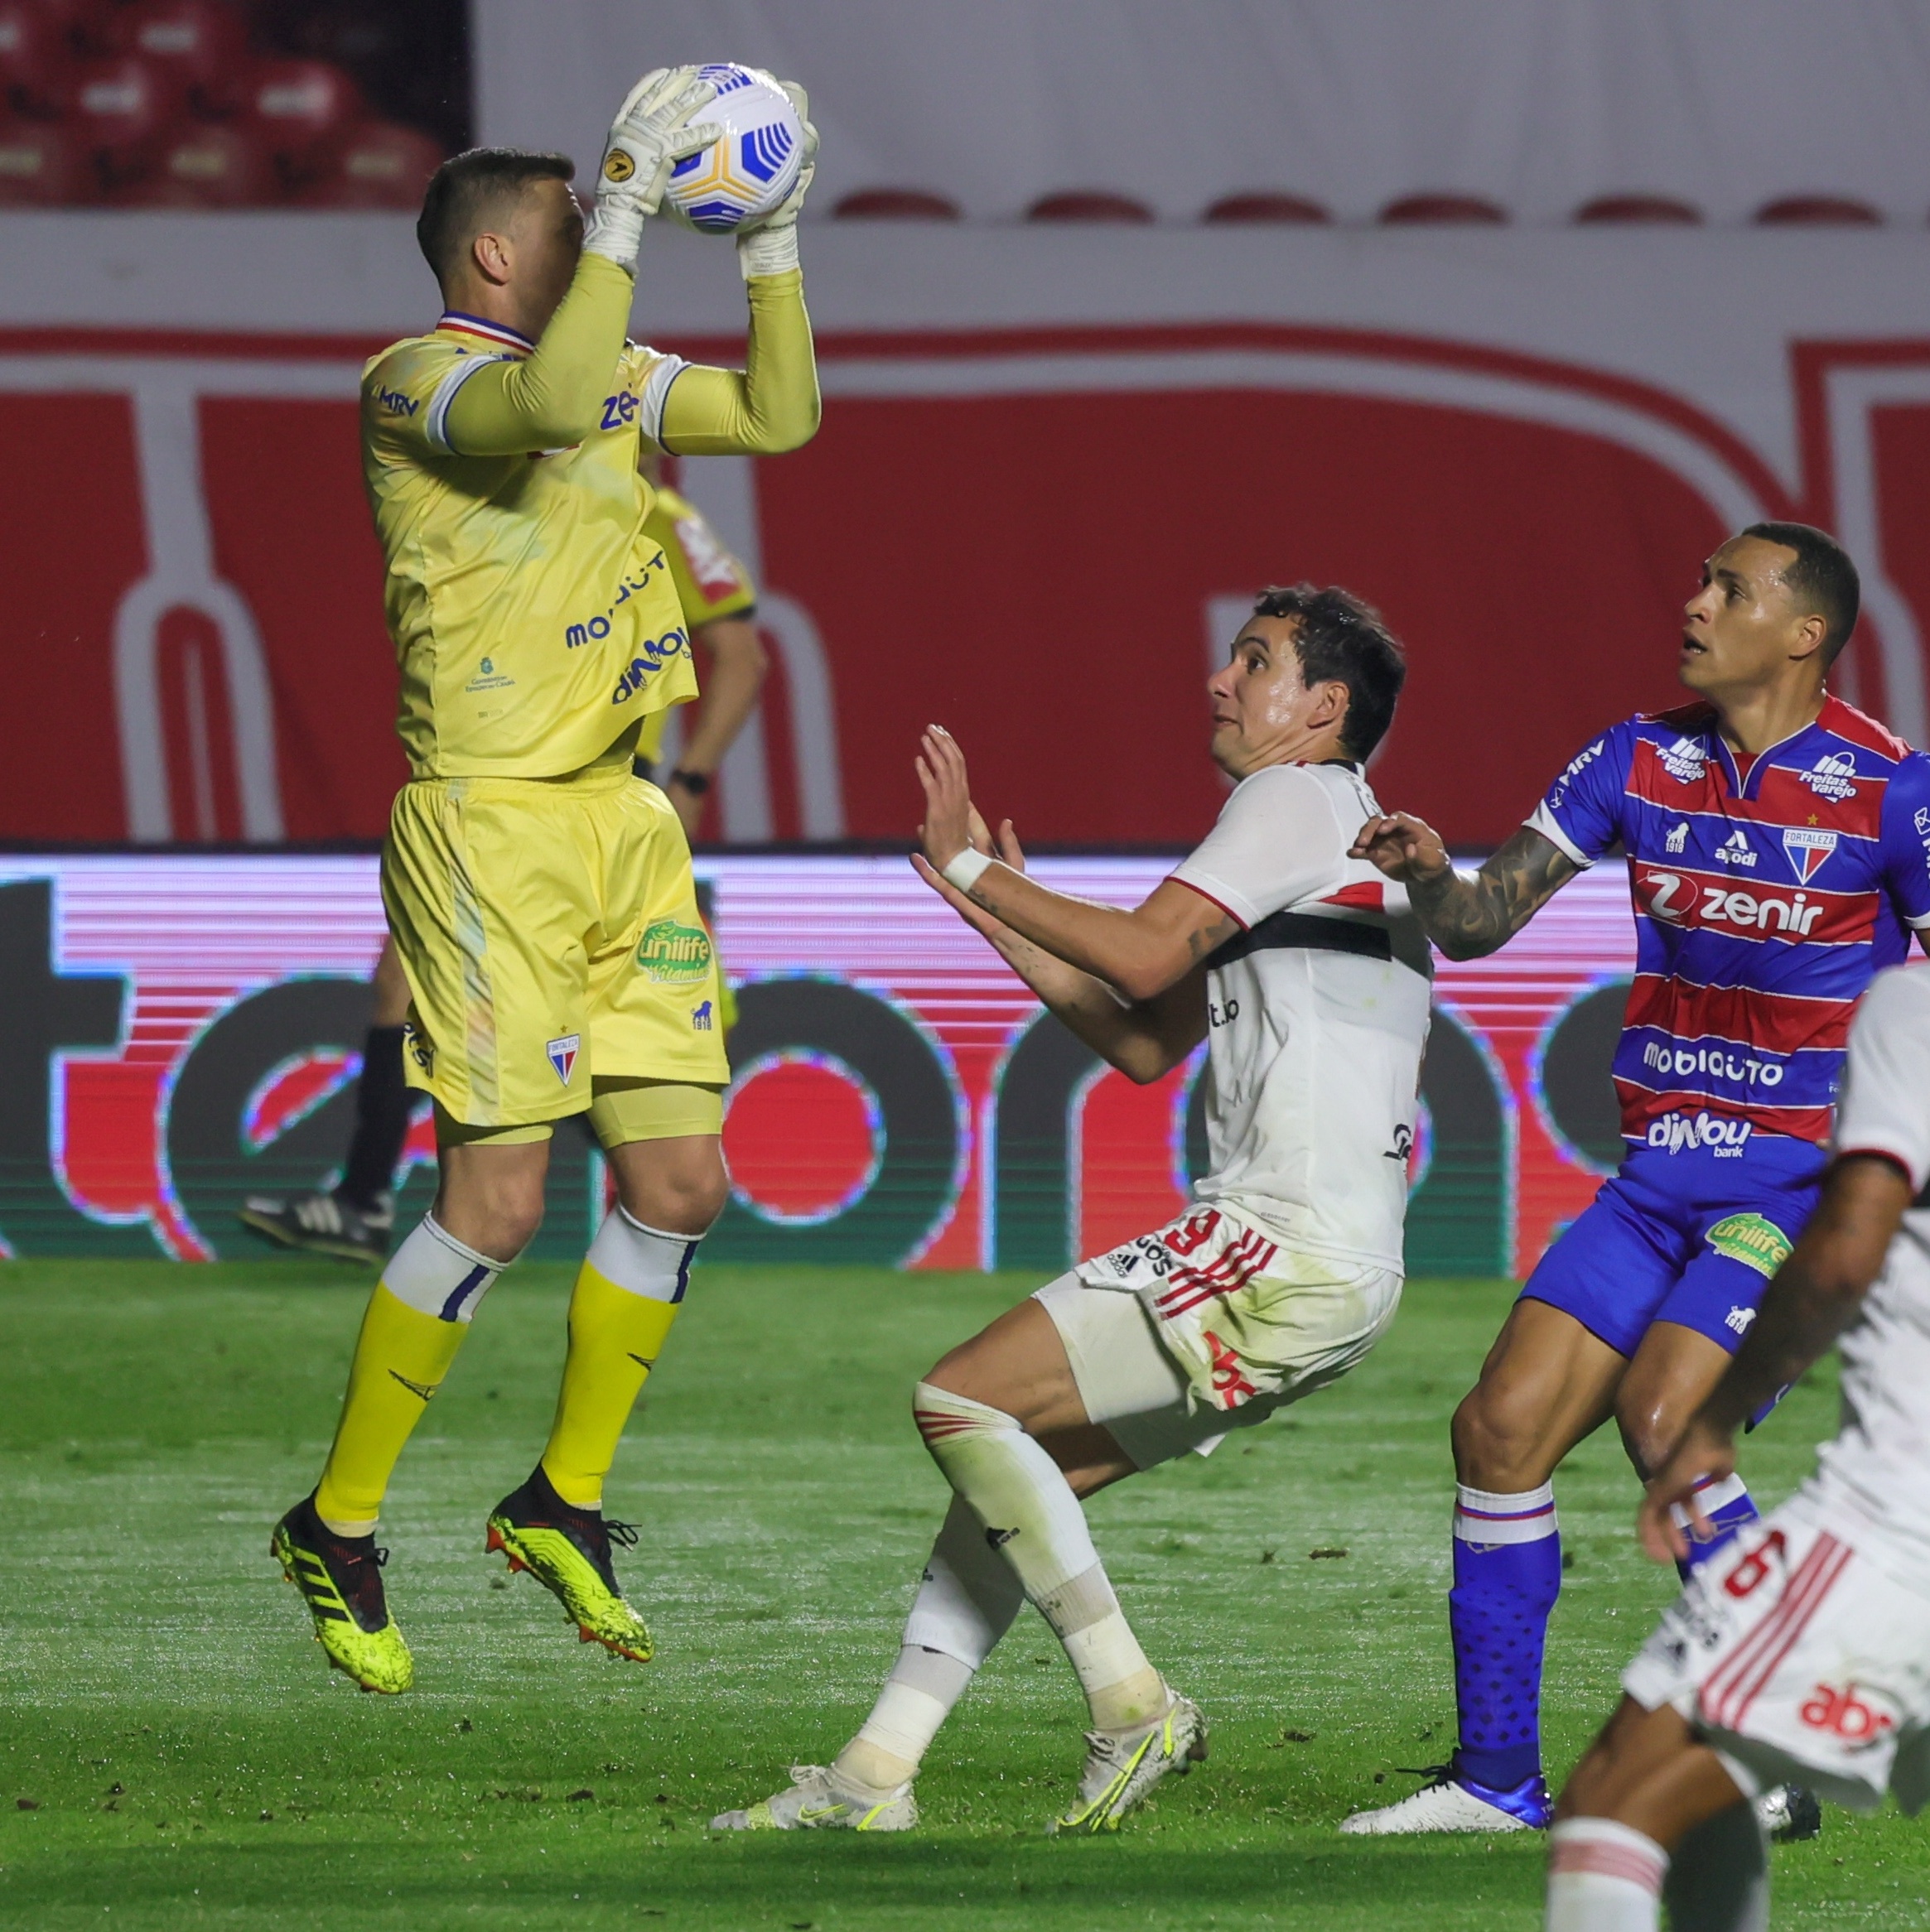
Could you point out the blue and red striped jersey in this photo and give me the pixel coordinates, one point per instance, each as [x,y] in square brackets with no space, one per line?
[1768,895]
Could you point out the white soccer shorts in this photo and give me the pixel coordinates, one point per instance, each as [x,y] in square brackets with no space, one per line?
[1798,1659]
[1208,1325]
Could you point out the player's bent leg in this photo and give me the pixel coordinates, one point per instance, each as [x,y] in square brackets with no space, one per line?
[415,1322]
[967,1601]
[1652,1817]
[353,1220]
[987,1413]
[662,1140]
[1668,1381]
[1547,1383]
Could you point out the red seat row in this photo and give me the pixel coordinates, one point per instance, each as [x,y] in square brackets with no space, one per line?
[1410,210]
[159,102]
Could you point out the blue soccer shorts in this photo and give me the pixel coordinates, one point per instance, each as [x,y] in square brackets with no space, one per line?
[1690,1237]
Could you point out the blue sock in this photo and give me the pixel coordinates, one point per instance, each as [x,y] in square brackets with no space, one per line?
[1507,1574]
[1727,1505]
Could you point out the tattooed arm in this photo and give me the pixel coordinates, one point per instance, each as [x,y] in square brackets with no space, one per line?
[1466,915]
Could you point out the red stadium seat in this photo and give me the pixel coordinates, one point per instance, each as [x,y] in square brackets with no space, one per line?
[121,105]
[1088,205]
[895,204]
[203,42]
[203,166]
[39,44]
[1635,208]
[1266,205]
[299,105]
[376,164]
[1418,210]
[1818,211]
[45,166]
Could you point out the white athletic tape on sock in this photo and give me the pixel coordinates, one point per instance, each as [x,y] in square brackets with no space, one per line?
[436,1274]
[1483,1516]
[641,1259]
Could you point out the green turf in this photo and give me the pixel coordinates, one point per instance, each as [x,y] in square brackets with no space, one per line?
[193,1763]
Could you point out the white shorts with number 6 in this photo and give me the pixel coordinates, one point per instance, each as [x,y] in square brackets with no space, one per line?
[1799,1660]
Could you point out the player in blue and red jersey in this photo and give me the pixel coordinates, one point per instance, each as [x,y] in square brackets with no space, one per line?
[1778,849]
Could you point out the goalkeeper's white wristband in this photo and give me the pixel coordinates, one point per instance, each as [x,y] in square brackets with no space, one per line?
[965,870]
[768,251]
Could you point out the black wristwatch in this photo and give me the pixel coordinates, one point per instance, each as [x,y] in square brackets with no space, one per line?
[697,783]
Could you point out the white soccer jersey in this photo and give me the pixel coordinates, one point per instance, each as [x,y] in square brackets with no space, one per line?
[1316,1028]
[1876,1472]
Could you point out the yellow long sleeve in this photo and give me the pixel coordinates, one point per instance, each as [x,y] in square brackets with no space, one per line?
[769,406]
[553,397]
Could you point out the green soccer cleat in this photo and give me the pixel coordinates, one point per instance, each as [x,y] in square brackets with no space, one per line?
[567,1551]
[819,1800]
[341,1578]
[1123,1766]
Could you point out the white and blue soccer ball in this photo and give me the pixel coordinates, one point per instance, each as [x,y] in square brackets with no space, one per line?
[748,172]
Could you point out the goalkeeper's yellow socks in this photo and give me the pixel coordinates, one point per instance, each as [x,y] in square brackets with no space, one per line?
[415,1322]
[627,1295]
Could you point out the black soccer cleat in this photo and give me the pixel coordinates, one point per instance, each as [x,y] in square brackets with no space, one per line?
[340,1579]
[568,1550]
[323,1224]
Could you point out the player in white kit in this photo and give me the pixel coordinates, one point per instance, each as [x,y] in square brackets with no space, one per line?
[1803,1653]
[1273,945]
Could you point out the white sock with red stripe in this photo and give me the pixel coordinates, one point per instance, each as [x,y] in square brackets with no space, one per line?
[1604,1877]
[1034,1521]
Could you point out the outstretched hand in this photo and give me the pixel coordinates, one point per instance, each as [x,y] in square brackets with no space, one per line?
[1006,847]
[949,815]
[1705,1455]
[1402,846]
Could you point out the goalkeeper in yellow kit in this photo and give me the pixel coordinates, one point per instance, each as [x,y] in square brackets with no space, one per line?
[539,895]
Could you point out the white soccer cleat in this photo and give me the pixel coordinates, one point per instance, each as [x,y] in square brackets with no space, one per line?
[1123,1766]
[1446,1805]
[819,1800]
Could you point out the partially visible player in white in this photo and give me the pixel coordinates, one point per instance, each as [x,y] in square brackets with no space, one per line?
[1804,1654]
[1275,947]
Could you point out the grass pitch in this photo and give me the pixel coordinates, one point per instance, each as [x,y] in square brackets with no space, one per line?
[189,1762]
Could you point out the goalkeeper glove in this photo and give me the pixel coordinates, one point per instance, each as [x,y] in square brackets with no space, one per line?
[770,247]
[650,135]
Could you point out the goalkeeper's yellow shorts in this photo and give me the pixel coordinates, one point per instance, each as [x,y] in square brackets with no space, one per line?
[550,931]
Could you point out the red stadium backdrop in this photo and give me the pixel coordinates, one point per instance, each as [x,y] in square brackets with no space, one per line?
[1003,529]
[179,1031]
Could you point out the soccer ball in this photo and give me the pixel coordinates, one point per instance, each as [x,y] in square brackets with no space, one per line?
[751,169]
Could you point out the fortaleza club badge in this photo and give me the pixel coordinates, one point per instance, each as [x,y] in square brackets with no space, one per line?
[562,1054]
[1807,848]
[674,952]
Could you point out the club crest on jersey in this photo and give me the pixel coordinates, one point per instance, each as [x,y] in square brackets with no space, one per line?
[1832,776]
[1684,760]
[1736,849]
[1677,841]
[562,1054]
[1807,848]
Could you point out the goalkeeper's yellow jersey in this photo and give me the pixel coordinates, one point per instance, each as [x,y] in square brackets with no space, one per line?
[711,582]
[535,615]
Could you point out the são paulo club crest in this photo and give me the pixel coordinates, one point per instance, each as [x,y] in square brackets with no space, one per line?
[1807,848]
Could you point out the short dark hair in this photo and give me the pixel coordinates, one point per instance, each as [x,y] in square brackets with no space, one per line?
[466,187]
[1822,580]
[1340,639]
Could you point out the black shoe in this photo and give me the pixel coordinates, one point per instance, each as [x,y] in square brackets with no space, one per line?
[340,1578]
[568,1550]
[1790,1813]
[323,1224]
